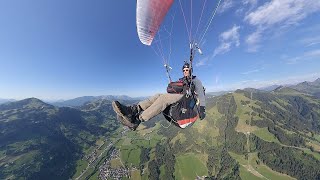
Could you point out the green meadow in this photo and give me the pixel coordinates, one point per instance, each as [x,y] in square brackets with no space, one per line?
[189,166]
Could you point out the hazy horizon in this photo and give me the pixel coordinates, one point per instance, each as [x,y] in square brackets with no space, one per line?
[92,48]
[258,86]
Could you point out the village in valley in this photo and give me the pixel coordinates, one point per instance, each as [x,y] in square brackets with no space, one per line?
[112,166]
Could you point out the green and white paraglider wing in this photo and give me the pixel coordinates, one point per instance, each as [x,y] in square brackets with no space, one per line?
[150,14]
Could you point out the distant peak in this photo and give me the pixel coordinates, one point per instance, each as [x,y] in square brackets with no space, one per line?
[32,100]
[26,103]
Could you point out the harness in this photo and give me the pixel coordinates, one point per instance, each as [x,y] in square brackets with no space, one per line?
[184,112]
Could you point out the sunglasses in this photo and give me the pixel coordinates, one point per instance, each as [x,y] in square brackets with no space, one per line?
[185,70]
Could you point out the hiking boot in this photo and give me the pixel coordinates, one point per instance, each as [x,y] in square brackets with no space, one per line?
[125,110]
[127,115]
[133,126]
[135,123]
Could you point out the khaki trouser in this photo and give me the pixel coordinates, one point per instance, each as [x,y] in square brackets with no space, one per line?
[156,104]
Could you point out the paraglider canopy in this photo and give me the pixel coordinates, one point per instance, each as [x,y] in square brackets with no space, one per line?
[150,14]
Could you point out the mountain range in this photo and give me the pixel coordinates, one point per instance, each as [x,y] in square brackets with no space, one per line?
[84,99]
[247,134]
[307,87]
[312,88]
[6,100]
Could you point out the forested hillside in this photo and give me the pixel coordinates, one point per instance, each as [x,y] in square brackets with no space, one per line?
[40,141]
[247,134]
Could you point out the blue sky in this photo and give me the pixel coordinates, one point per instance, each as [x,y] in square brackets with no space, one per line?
[65,49]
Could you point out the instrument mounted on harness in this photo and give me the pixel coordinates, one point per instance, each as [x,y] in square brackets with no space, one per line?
[175,87]
[182,86]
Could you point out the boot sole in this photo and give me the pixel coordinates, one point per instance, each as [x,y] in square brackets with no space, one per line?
[121,121]
[121,117]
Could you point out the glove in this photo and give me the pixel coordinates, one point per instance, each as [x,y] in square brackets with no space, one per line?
[202,112]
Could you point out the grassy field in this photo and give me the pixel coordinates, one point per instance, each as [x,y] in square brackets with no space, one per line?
[81,165]
[126,142]
[148,140]
[130,156]
[118,144]
[285,103]
[115,163]
[310,99]
[214,113]
[27,158]
[264,134]
[11,118]
[317,136]
[142,142]
[243,112]
[278,105]
[22,145]
[180,137]
[88,173]
[188,166]
[88,150]
[99,142]
[152,154]
[162,172]
[145,174]
[314,154]
[207,127]
[134,157]
[265,170]
[250,169]
[95,176]
[24,160]
[135,175]
[239,158]
[245,174]
[242,108]
[154,140]
[315,145]
[268,173]
[145,137]
[288,91]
